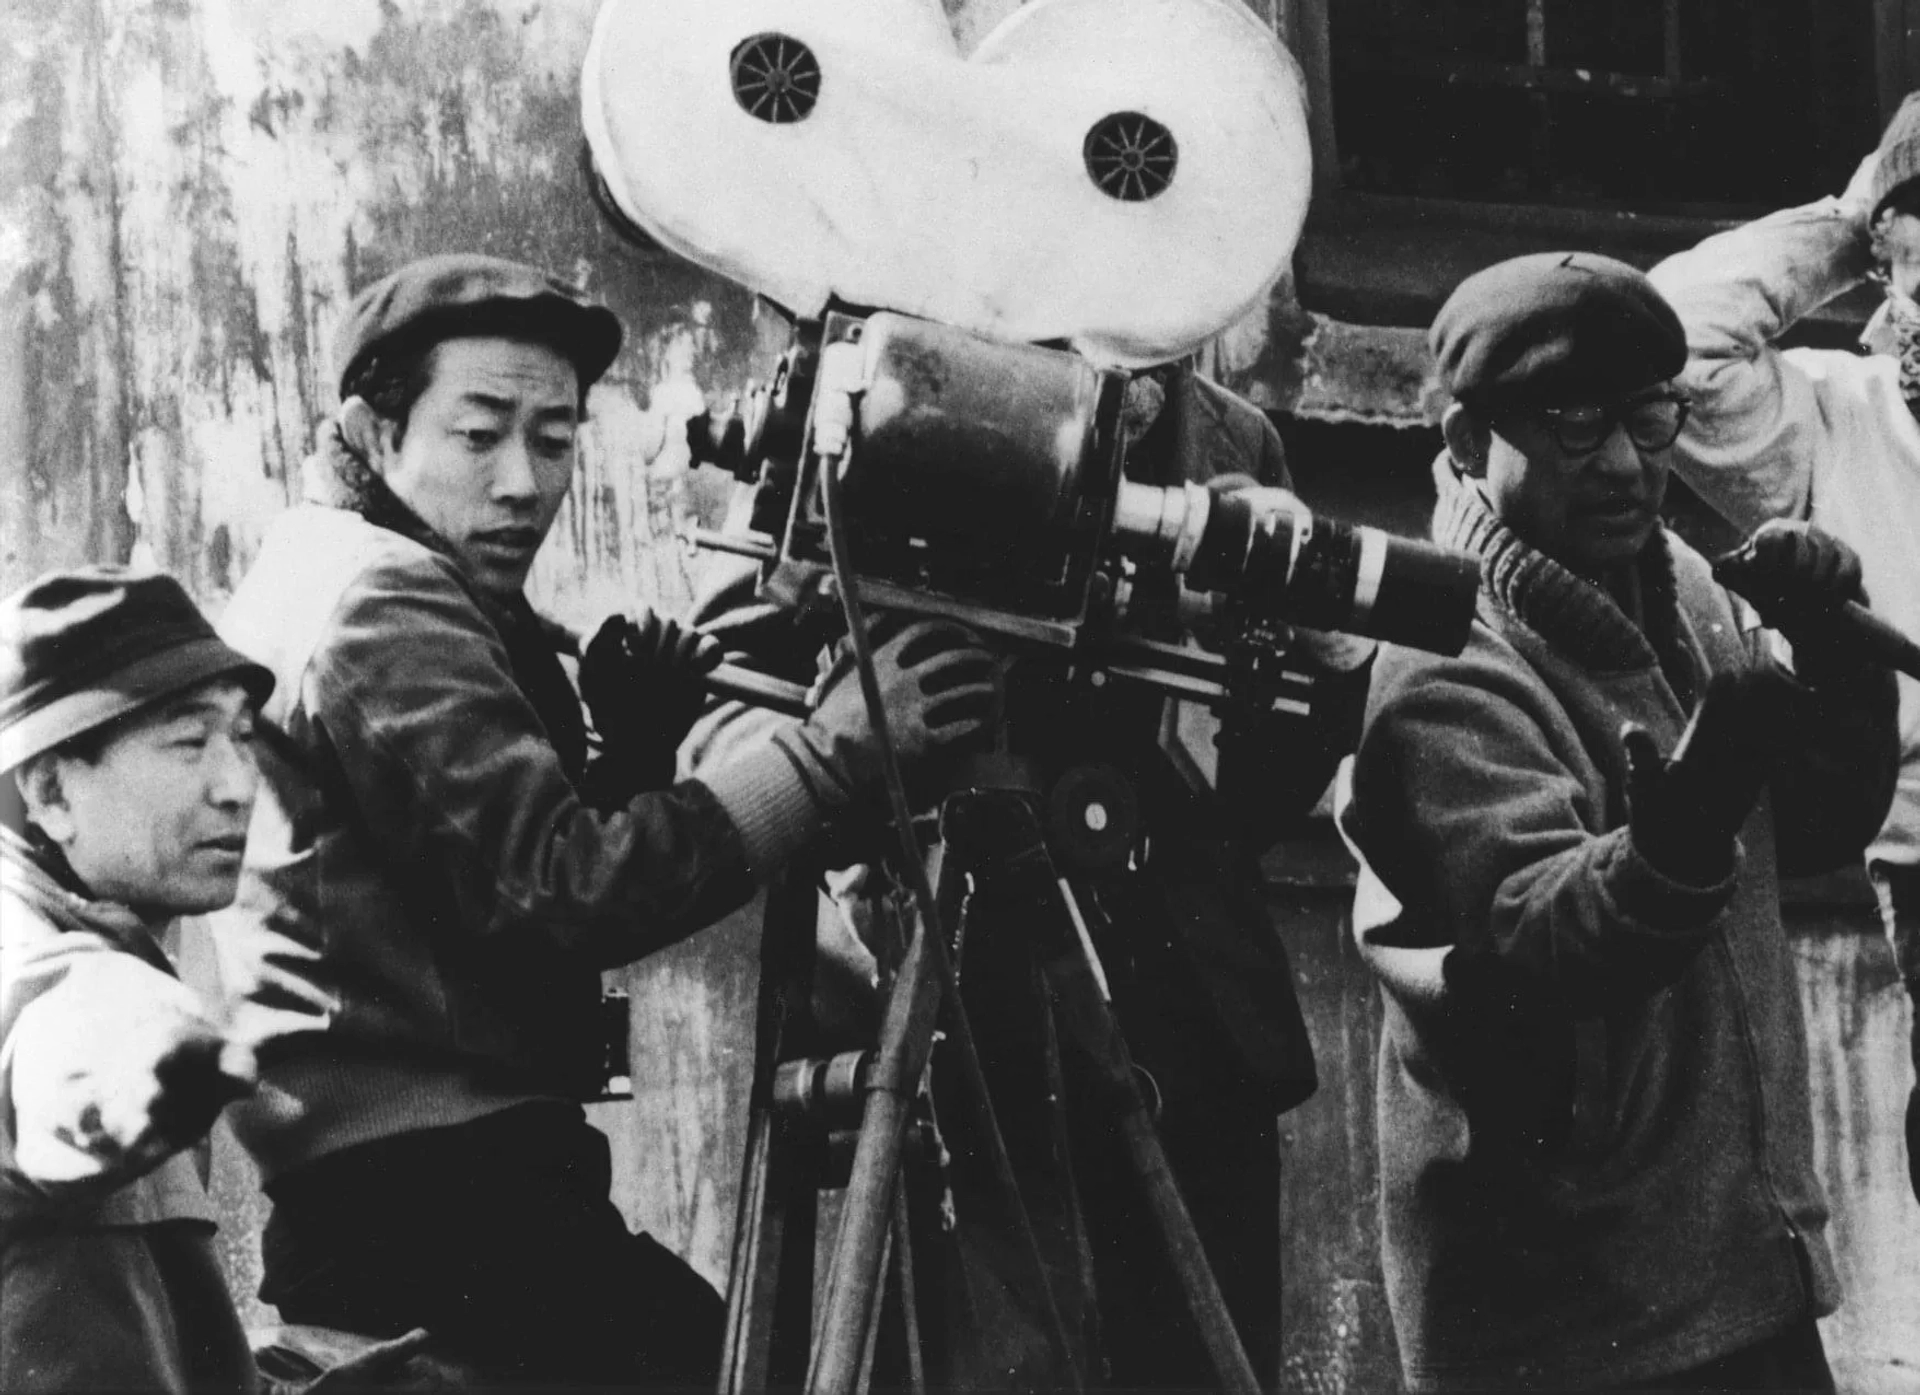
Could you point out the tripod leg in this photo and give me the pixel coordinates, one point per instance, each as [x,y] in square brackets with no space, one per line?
[770,1282]
[853,1278]
[1088,1016]
[924,994]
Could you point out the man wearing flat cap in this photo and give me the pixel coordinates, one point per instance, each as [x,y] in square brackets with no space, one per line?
[1595,1140]
[435,858]
[1826,435]
[126,780]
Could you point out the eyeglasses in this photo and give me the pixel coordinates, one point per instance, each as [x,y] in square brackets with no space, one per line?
[1652,423]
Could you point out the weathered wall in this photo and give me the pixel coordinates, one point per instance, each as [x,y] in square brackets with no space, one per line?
[191,188]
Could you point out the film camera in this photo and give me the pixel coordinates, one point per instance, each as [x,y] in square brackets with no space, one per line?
[1125,177]
[985,482]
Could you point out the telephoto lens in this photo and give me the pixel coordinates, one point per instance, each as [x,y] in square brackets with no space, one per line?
[1300,569]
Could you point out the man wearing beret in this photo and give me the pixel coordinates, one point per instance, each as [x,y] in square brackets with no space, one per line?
[1595,1141]
[434,858]
[1825,435]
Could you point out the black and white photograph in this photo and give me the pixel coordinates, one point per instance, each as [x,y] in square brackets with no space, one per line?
[888,697]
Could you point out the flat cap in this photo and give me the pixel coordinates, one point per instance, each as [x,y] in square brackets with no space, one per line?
[86,645]
[1555,327]
[462,294]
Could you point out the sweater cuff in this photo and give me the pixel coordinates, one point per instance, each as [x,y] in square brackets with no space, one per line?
[1648,895]
[768,802]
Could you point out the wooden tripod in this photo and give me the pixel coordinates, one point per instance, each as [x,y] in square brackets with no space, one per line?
[774,1337]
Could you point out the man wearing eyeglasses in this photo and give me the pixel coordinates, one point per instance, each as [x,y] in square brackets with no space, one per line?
[1825,435]
[1595,1140]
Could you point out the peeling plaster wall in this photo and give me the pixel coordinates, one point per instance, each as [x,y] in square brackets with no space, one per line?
[192,188]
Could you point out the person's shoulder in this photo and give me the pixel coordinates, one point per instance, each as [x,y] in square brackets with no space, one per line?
[318,561]
[1489,666]
[1241,433]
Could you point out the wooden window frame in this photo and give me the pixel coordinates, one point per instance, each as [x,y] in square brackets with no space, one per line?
[1381,259]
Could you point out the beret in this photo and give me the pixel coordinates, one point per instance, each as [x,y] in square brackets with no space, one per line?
[83,646]
[1556,327]
[461,294]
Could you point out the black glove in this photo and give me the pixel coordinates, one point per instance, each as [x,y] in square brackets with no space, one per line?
[938,688]
[1796,576]
[644,685]
[1685,811]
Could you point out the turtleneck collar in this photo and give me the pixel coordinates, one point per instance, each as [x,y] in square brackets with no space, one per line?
[1568,611]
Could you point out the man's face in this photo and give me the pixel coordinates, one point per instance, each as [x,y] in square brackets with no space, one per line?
[1583,483]
[488,451]
[1897,244]
[159,821]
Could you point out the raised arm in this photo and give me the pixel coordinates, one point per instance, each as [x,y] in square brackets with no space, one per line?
[1758,424]
[109,1067]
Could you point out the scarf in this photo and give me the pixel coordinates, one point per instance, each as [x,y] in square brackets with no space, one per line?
[1895,329]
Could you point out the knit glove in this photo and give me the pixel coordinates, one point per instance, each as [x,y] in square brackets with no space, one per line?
[1685,811]
[323,1361]
[938,688]
[1797,576]
[645,684]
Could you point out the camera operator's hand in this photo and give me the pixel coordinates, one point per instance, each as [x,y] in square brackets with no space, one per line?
[644,684]
[1261,498]
[1686,810]
[938,688]
[1797,576]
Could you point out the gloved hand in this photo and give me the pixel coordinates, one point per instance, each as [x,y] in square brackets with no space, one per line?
[644,684]
[938,687]
[303,1360]
[199,1078]
[1263,498]
[1796,576]
[1686,810]
[119,1081]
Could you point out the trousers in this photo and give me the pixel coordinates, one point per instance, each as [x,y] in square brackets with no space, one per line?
[497,1236]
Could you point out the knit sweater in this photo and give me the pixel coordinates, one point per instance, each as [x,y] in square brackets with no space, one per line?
[1595,1141]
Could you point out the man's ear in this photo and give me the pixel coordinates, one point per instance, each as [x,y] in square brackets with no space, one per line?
[1468,440]
[367,434]
[43,798]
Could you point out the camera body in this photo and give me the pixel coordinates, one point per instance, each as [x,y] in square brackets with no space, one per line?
[986,482]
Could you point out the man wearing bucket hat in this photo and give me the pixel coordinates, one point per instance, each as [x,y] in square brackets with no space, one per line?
[436,858]
[1825,435]
[126,782]
[1595,1139]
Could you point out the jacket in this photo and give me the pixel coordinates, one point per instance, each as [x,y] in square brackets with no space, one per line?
[420,857]
[1817,434]
[1595,1141]
[108,1276]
